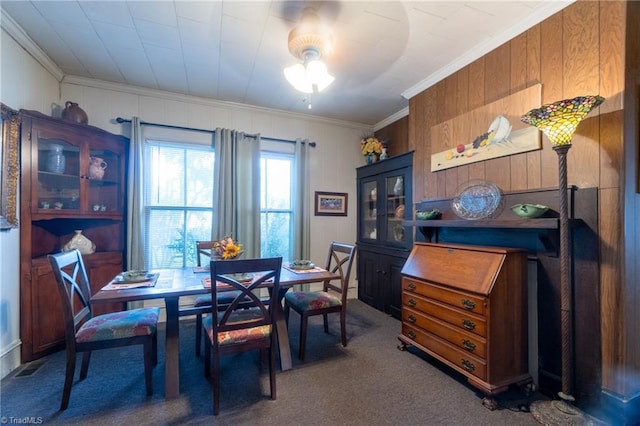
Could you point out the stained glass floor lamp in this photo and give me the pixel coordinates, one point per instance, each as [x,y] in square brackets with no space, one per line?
[558,121]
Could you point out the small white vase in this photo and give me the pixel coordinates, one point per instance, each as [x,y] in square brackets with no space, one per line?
[80,242]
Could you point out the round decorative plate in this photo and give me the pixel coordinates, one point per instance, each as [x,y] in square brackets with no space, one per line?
[477,201]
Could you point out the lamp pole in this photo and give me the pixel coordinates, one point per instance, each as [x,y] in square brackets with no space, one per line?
[566,288]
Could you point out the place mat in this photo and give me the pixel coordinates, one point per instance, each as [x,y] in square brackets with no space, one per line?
[315,269]
[114,285]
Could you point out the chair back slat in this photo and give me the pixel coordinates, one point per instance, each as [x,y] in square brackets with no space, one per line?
[264,273]
[73,285]
[340,260]
[203,248]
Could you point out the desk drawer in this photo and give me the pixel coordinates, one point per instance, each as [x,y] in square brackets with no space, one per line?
[466,341]
[465,361]
[466,320]
[465,301]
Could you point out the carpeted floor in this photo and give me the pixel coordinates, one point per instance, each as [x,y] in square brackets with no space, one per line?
[370,382]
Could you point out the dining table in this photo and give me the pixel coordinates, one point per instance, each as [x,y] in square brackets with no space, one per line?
[172,284]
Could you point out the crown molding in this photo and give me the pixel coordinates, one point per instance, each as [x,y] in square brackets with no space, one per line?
[391,119]
[143,91]
[17,33]
[536,16]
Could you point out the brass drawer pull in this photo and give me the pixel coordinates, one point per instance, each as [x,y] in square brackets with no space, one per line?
[412,318]
[468,324]
[468,365]
[411,334]
[411,302]
[469,304]
[469,345]
[411,286]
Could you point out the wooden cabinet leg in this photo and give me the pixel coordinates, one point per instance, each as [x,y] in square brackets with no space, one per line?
[490,402]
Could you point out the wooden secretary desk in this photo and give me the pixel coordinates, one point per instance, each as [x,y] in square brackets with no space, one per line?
[467,307]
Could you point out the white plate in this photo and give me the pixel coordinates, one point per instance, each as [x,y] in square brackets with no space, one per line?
[122,280]
[302,267]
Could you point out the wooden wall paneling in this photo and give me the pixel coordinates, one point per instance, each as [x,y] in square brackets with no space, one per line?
[432,117]
[533,77]
[417,144]
[431,114]
[462,106]
[611,88]
[476,99]
[631,197]
[395,135]
[497,85]
[610,148]
[550,72]
[451,93]
[581,76]
[587,333]
[612,295]
[518,163]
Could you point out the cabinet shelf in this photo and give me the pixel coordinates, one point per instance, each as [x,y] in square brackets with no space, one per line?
[543,223]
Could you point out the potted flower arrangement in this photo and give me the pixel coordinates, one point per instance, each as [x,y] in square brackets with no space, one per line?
[371,148]
[227,248]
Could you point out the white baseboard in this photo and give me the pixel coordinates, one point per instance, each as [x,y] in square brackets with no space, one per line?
[10,359]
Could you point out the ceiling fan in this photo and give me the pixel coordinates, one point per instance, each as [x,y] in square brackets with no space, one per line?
[309,42]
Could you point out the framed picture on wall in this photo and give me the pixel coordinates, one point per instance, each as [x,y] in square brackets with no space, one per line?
[331,203]
[9,167]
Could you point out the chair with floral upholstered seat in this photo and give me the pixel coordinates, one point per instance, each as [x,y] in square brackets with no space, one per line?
[332,298]
[85,332]
[236,328]
[202,303]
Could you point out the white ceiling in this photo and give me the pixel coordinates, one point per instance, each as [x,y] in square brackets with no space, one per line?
[384,52]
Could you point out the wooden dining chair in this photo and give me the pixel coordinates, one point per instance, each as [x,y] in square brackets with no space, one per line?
[332,298]
[202,303]
[85,332]
[234,328]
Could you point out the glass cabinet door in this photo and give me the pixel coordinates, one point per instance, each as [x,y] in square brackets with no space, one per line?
[58,175]
[104,176]
[369,210]
[396,206]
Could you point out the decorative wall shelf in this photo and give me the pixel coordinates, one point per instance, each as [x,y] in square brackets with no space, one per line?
[544,223]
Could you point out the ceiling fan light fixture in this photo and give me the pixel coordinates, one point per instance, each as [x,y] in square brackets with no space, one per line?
[297,76]
[309,42]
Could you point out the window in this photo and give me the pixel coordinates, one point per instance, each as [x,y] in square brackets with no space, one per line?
[178,202]
[276,205]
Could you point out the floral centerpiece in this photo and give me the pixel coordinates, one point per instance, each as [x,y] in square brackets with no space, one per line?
[227,248]
[371,148]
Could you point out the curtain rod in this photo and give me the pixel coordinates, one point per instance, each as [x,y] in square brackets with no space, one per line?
[169,126]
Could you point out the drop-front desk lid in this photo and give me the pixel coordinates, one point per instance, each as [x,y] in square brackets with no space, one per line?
[464,267]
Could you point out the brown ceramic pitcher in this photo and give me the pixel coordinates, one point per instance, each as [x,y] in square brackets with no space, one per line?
[72,112]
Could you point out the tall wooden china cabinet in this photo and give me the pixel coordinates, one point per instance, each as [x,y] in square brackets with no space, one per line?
[384,201]
[59,195]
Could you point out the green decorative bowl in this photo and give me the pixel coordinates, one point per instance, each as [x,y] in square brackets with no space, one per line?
[529,211]
[428,215]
